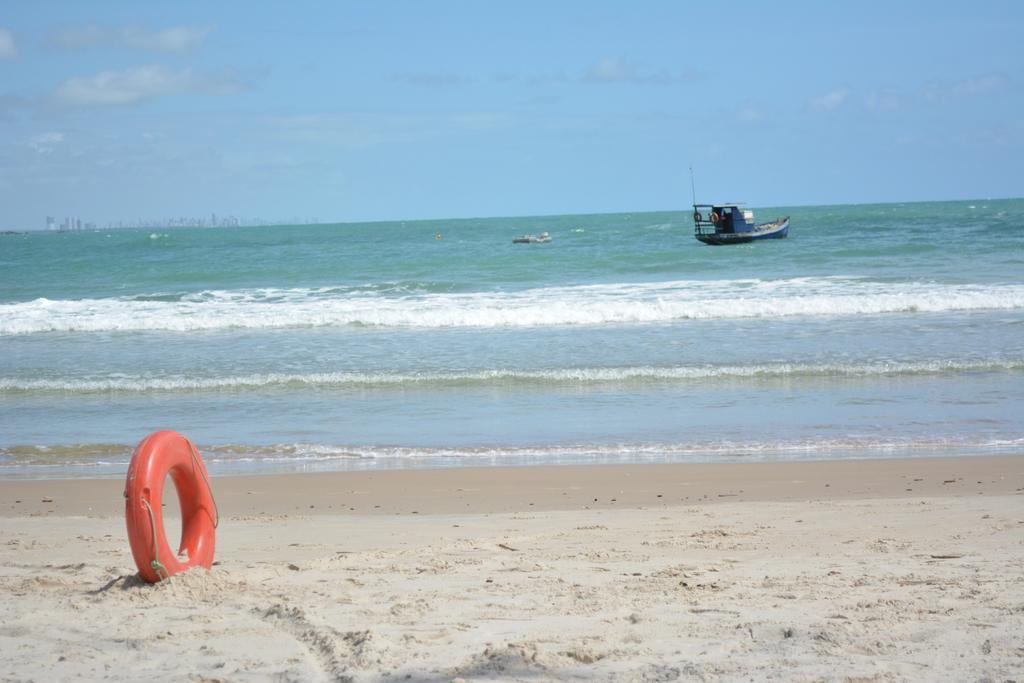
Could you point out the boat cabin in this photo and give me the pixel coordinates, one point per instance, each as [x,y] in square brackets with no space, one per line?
[722,219]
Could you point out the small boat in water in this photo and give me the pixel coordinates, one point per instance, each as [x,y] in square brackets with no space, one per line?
[532,239]
[733,224]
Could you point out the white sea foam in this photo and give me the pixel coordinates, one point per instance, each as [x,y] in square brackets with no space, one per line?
[622,303]
[111,459]
[632,452]
[556,376]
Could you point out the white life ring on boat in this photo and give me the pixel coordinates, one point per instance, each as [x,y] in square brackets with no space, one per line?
[696,216]
[714,218]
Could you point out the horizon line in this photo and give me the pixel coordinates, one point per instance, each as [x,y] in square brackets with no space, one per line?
[274,224]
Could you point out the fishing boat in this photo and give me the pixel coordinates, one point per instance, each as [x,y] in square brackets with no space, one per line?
[733,224]
[532,239]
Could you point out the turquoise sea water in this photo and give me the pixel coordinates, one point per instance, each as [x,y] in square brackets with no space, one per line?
[875,330]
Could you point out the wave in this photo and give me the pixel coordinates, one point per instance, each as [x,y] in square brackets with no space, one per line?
[558,376]
[112,459]
[621,303]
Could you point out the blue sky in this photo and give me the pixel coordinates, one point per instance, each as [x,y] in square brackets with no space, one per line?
[351,111]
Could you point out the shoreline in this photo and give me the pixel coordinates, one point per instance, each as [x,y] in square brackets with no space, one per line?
[547,487]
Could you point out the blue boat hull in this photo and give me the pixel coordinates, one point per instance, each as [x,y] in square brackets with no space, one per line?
[767,231]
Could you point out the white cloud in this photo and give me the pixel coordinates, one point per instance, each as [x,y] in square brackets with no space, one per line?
[618,70]
[142,83]
[890,99]
[829,101]
[45,142]
[7,48]
[173,39]
[971,87]
[611,70]
[884,100]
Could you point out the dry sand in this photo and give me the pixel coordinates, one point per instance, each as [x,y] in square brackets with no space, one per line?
[861,571]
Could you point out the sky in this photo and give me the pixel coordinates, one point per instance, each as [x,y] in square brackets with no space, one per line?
[364,111]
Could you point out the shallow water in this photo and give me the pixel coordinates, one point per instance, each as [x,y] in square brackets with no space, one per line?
[872,330]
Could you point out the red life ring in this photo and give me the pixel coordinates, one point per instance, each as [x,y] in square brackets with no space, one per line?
[714,218]
[158,455]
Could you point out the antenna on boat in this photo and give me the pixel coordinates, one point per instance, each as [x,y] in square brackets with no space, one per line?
[692,190]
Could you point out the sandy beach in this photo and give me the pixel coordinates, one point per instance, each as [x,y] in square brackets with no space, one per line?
[881,570]
[533,342]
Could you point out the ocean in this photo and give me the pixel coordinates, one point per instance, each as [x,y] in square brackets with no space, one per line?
[888,330]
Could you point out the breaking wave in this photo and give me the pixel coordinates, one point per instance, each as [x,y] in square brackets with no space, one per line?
[622,303]
[559,376]
[110,460]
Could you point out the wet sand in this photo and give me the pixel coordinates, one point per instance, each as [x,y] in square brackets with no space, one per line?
[510,489]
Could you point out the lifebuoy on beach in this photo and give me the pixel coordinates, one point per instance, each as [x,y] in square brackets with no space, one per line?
[714,218]
[161,454]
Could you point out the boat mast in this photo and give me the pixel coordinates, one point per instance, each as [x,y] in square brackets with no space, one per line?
[692,190]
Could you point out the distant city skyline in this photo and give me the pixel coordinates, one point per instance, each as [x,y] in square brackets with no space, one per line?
[69,223]
[401,110]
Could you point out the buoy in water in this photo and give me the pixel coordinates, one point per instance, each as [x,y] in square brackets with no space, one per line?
[161,454]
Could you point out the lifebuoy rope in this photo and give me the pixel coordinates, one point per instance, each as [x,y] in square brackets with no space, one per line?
[155,564]
[202,471]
